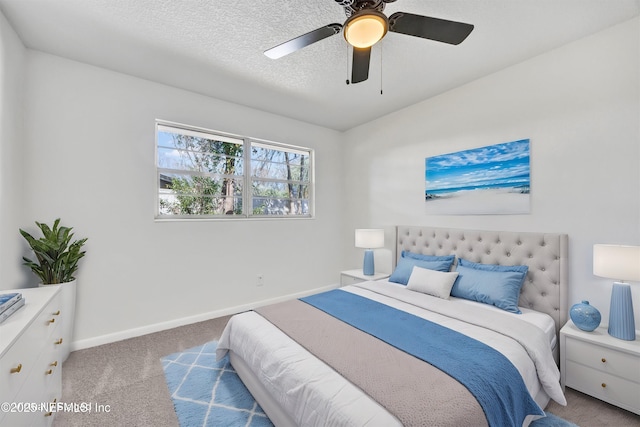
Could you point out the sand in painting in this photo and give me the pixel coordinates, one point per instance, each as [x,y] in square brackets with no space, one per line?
[495,201]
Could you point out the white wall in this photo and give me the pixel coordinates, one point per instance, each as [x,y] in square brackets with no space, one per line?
[579,105]
[12,67]
[90,146]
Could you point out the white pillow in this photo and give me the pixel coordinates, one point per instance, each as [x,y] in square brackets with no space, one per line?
[432,282]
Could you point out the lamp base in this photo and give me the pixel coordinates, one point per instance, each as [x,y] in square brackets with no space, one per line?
[622,324]
[368,269]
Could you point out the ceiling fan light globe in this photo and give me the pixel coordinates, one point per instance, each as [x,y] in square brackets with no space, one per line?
[365,29]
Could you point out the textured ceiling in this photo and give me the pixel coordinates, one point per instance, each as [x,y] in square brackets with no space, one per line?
[215,47]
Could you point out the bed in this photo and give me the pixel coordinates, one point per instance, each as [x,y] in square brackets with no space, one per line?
[347,368]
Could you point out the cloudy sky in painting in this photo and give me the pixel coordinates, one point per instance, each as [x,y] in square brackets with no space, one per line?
[494,166]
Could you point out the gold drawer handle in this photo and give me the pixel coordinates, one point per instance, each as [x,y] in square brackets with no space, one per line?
[17,369]
[51,321]
[57,313]
[604,360]
[59,341]
[54,363]
[604,385]
[49,372]
[48,414]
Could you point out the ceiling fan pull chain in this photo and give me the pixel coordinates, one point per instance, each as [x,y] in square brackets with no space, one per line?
[380,68]
[348,56]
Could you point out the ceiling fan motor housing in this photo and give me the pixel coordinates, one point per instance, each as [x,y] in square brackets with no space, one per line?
[352,7]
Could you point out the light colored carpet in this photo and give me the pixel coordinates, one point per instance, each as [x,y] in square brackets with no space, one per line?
[128,377]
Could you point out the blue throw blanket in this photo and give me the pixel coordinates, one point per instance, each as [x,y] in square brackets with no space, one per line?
[487,374]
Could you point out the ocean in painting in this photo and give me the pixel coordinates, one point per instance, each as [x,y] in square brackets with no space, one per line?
[488,180]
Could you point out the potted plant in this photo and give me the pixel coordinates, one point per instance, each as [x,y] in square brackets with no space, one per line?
[57,256]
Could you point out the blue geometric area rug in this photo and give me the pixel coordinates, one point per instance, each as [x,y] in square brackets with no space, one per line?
[207,393]
[551,421]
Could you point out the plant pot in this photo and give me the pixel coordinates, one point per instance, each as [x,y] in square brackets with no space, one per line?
[68,311]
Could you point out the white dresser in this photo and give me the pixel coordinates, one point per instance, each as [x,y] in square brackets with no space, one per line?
[30,364]
[601,366]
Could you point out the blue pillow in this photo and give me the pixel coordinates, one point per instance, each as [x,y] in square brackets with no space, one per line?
[493,267]
[408,260]
[496,285]
[450,258]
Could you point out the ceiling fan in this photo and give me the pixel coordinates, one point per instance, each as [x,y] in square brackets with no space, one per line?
[366,25]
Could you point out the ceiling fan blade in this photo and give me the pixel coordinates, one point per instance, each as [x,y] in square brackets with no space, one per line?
[360,66]
[429,28]
[304,40]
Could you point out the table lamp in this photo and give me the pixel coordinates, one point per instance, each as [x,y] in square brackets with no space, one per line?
[621,263]
[369,239]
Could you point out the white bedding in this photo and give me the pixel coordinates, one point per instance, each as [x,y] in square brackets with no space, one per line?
[541,320]
[313,394]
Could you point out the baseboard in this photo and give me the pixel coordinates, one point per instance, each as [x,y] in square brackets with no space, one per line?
[157,327]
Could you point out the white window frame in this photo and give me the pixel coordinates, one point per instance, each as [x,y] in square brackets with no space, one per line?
[246,177]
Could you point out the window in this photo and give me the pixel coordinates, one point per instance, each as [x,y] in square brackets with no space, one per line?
[208,174]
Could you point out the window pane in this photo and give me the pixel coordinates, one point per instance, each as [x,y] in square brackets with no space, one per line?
[199,195]
[269,188]
[202,205]
[185,152]
[276,206]
[279,164]
[287,190]
[171,158]
[200,184]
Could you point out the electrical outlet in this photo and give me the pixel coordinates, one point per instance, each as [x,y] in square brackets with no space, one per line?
[260,281]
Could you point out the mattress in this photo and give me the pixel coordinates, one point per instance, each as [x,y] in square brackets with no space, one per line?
[310,393]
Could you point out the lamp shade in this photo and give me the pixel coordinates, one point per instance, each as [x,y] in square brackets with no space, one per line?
[617,262]
[364,29]
[369,238]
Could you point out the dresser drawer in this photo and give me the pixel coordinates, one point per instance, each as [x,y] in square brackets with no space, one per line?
[45,380]
[18,362]
[604,359]
[30,340]
[610,388]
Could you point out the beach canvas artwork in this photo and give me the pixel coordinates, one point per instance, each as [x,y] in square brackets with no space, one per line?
[488,180]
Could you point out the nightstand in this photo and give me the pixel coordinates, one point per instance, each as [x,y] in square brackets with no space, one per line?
[349,277]
[601,366]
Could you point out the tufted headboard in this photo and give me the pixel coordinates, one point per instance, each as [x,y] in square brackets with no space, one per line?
[545,287]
